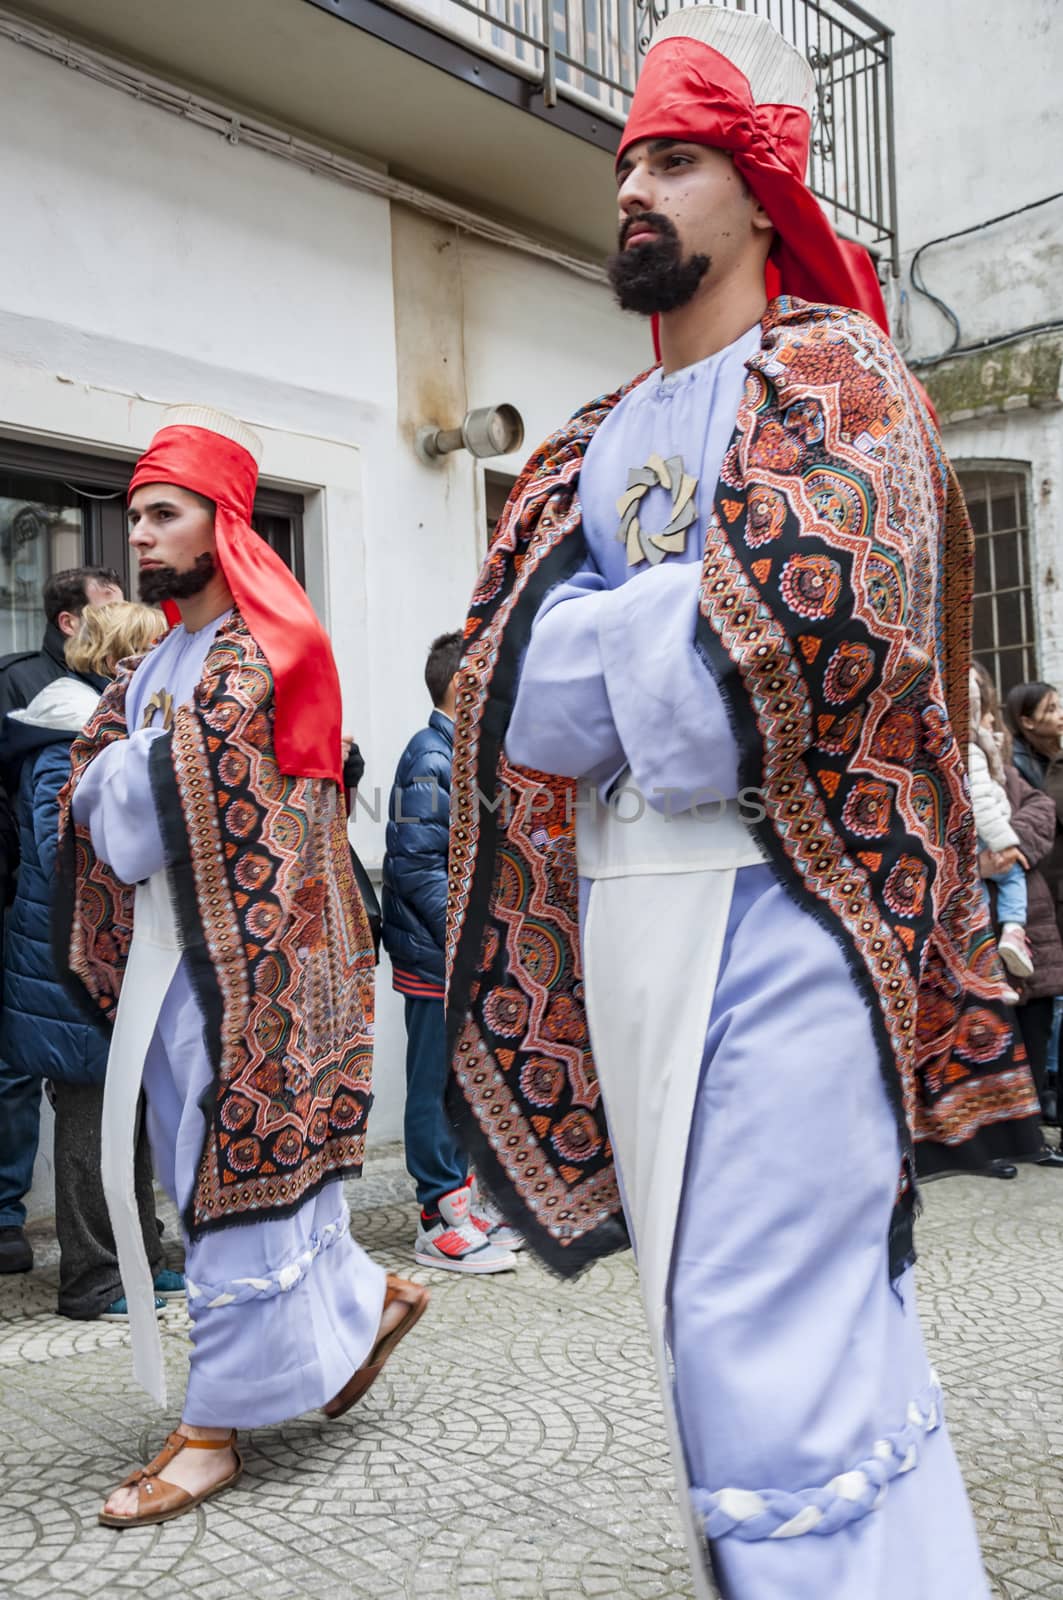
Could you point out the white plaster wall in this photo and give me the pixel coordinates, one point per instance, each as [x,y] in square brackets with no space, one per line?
[149,261]
[979,128]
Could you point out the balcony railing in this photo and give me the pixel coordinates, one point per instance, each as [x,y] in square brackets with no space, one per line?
[589,52]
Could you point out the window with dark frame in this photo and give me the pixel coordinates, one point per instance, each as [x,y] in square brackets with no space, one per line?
[1004,635]
[60,509]
[497,486]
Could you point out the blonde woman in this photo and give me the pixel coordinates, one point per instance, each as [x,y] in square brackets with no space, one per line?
[42,1032]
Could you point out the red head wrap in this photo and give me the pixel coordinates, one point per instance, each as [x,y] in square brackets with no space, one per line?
[280,618]
[689,91]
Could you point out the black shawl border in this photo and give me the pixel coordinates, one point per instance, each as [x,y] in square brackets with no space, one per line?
[750,745]
[565,1260]
[61,928]
[180,874]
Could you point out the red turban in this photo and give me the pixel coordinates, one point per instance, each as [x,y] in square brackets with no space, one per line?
[689,91]
[279,617]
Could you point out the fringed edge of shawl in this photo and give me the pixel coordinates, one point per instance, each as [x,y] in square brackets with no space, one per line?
[567,1260]
[180,875]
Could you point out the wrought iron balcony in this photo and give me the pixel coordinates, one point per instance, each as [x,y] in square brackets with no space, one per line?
[587,53]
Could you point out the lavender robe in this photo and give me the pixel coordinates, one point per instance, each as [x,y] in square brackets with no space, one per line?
[259,1355]
[817,1461]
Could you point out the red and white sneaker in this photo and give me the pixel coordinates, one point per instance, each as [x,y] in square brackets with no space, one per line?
[1015,950]
[454,1243]
[490,1221]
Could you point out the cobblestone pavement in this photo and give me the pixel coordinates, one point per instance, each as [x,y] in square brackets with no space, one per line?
[513,1449]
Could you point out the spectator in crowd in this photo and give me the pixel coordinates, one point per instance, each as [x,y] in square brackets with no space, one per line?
[43,1034]
[1032,819]
[22,675]
[996,834]
[459,1230]
[66,595]
[1035,720]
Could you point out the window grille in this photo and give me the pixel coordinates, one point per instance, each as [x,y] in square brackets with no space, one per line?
[1004,637]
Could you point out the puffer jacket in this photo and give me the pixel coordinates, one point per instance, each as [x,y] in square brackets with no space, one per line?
[1034,818]
[989,802]
[415,858]
[42,1033]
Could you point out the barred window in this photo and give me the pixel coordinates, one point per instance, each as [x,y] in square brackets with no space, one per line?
[1004,630]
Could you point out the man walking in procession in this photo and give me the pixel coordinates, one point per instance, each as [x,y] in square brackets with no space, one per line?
[238,974]
[731,605]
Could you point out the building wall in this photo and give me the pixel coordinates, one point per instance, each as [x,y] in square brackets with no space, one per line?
[979,122]
[152,262]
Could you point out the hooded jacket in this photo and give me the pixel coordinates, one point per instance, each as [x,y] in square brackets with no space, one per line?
[989,799]
[23,675]
[415,860]
[42,1032]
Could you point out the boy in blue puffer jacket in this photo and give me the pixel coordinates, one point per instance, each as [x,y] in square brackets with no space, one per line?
[459,1229]
[43,1033]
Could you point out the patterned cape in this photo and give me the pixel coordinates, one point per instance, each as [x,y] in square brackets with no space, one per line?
[274,935]
[835,617]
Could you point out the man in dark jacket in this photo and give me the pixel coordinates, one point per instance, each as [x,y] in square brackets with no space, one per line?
[43,1034]
[22,676]
[458,1229]
[66,594]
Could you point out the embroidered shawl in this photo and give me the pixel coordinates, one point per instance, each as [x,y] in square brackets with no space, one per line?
[274,935]
[835,617]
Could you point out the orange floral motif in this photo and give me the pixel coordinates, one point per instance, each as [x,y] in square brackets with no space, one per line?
[849,670]
[811,586]
[905,891]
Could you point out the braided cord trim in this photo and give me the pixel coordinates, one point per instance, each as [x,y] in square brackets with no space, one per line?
[237,1291]
[777,1514]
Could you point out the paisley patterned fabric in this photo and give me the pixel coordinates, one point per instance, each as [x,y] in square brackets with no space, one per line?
[272,928]
[835,614]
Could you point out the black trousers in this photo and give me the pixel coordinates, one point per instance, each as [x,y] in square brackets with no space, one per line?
[1035,1025]
[89,1280]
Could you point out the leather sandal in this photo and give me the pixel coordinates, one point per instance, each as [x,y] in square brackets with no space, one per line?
[159,1501]
[415,1298]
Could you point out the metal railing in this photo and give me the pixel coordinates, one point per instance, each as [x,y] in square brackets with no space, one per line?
[589,51]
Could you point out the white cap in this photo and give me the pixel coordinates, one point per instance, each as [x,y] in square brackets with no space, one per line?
[778,74]
[215,422]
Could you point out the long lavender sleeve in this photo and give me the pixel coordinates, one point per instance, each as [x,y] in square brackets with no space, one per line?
[611,678]
[562,721]
[114,801]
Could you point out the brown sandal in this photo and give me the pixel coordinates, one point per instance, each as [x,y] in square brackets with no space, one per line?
[415,1298]
[159,1501]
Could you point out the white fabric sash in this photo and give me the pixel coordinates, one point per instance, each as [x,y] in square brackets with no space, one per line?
[154,956]
[653,936]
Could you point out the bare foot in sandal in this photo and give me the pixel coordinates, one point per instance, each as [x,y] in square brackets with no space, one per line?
[206,1462]
[404,1305]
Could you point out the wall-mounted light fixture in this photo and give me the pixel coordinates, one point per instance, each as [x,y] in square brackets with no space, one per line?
[490,431]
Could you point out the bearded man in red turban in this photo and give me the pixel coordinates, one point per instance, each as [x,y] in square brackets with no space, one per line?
[717,944]
[208,916]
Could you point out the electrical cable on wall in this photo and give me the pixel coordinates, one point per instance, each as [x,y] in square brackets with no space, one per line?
[919,285]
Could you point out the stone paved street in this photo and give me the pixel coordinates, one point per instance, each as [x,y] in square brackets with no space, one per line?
[513,1449]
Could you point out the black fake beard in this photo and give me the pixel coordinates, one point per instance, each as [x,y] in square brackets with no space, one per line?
[653,277]
[166,583]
